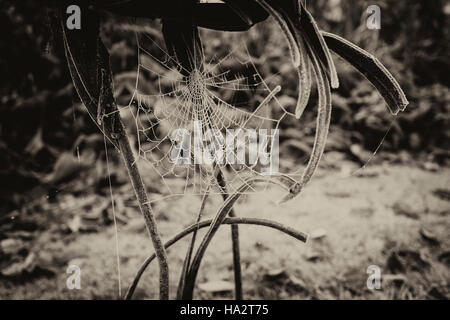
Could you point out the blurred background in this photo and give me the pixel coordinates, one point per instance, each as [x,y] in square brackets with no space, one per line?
[52,205]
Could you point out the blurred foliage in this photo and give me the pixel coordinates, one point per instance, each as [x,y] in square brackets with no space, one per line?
[41,118]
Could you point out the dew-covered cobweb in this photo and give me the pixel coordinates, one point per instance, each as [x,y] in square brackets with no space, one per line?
[228,103]
[227,95]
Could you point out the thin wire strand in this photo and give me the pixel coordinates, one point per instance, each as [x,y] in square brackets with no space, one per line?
[116,234]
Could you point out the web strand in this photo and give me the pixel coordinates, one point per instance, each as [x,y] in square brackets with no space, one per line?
[116,235]
[206,97]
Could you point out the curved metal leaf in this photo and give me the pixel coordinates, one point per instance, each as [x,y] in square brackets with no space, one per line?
[203,224]
[372,69]
[311,31]
[88,61]
[322,128]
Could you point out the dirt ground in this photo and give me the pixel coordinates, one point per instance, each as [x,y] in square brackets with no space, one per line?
[395,217]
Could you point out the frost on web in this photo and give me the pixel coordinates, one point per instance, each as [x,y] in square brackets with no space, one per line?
[225,117]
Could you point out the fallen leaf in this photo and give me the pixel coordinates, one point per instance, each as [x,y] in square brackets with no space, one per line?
[428,236]
[17,268]
[404,209]
[287,102]
[135,225]
[24,235]
[318,234]
[11,246]
[299,284]
[292,144]
[368,172]
[360,153]
[442,194]
[74,224]
[438,293]
[45,258]
[216,286]
[35,144]
[430,166]
[95,212]
[66,167]
[88,228]
[313,256]
[396,279]
[276,274]
[445,258]
[402,261]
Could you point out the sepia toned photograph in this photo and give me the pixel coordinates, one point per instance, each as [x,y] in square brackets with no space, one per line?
[235,151]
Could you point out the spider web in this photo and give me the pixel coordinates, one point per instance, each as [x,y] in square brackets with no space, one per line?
[220,101]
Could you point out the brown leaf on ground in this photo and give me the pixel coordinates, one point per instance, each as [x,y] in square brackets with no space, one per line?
[217,286]
[360,153]
[396,279]
[442,194]
[402,261]
[135,225]
[404,209]
[27,267]
[11,246]
[74,224]
[35,144]
[318,234]
[66,167]
[439,293]
[445,258]
[430,166]
[276,275]
[429,237]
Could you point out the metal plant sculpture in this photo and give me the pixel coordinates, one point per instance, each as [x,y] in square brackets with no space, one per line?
[88,61]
